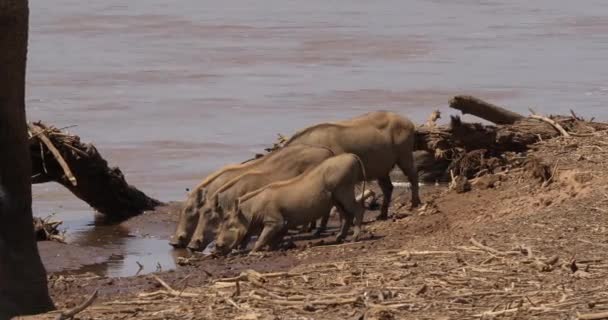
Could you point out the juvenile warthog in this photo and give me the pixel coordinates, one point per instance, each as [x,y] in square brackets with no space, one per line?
[283,205]
[282,164]
[381,139]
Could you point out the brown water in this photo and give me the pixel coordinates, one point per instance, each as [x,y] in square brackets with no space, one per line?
[171,91]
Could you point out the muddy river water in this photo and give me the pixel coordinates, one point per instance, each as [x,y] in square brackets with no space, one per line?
[169,91]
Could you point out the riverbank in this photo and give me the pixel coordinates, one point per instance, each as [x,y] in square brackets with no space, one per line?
[517,247]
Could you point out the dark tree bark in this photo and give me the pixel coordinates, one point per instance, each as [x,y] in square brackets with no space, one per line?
[23,284]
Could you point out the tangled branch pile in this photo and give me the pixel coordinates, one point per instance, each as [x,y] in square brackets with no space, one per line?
[474,149]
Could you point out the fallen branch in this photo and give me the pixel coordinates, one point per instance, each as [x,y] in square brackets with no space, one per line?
[497,313]
[168,291]
[555,125]
[424,253]
[485,248]
[256,277]
[324,302]
[593,316]
[71,313]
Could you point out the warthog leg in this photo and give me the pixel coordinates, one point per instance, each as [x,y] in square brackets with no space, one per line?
[408,167]
[323,226]
[387,190]
[277,240]
[271,229]
[347,220]
[358,217]
[245,241]
[352,209]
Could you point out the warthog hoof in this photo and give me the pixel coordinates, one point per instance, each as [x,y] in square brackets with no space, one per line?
[382,216]
[415,204]
[196,245]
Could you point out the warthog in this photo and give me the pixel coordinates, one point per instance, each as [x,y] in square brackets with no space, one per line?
[286,204]
[381,139]
[282,164]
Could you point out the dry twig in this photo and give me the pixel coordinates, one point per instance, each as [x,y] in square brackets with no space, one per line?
[72,312]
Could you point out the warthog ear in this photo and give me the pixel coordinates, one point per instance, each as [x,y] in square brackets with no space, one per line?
[239,214]
[216,201]
[200,197]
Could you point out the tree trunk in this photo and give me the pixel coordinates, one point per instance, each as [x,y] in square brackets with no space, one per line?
[23,284]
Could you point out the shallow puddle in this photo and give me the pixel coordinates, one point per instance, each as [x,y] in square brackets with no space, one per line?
[142,256]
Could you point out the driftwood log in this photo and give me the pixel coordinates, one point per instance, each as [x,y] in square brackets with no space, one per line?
[61,157]
[484,110]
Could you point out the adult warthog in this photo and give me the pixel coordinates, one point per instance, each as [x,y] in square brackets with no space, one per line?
[381,139]
[282,164]
[287,204]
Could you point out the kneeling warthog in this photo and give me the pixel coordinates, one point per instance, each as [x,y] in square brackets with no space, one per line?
[283,164]
[381,139]
[287,204]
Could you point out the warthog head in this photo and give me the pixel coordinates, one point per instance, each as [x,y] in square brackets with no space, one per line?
[232,232]
[188,219]
[206,228]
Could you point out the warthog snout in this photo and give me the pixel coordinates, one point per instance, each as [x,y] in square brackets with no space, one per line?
[227,240]
[179,241]
[196,245]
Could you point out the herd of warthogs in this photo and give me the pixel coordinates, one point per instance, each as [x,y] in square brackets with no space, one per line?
[316,170]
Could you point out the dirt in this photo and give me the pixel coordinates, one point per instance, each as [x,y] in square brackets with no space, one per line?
[515,248]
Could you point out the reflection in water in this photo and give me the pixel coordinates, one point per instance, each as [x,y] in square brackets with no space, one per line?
[130,252]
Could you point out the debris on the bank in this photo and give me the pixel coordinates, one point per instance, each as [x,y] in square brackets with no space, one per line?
[460,184]
[428,208]
[281,140]
[473,149]
[472,281]
[46,229]
[61,157]
[537,170]
[69,314]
